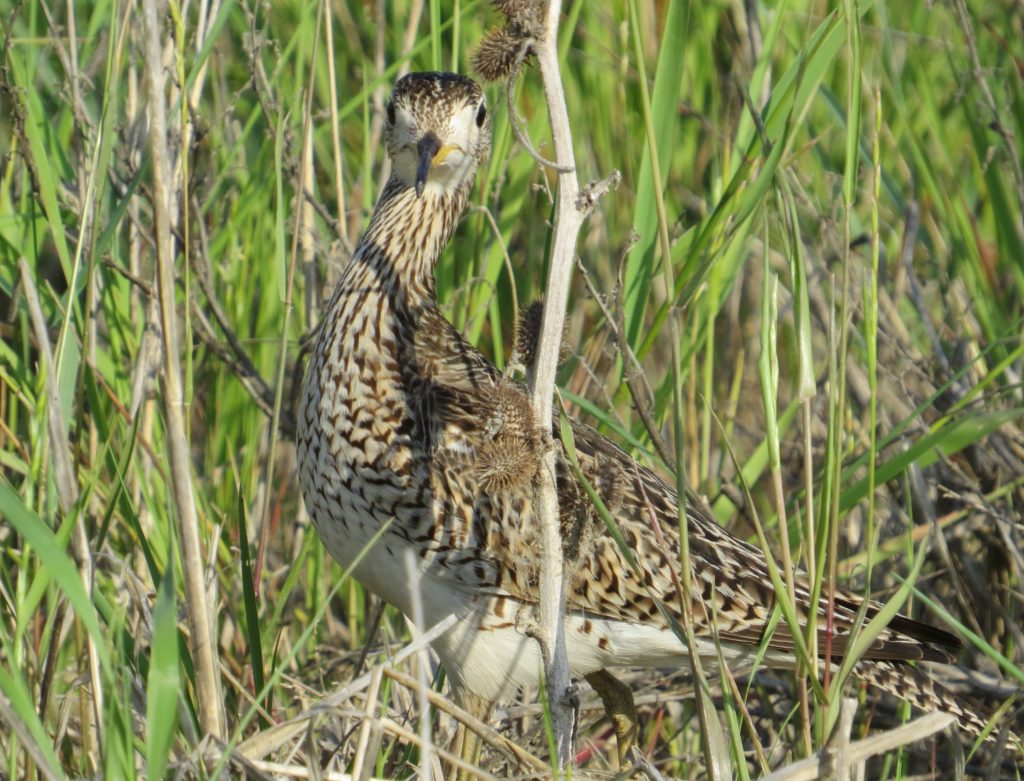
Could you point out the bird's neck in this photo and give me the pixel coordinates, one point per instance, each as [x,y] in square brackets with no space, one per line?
[405,238]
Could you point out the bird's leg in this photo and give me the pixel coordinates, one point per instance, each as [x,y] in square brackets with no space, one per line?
[618,705]
[467,744]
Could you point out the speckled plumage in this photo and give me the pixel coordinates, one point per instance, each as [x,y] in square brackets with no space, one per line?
[411,440]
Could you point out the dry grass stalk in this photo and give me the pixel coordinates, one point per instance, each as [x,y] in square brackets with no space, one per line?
[204,647]
[67,493]
[858,752]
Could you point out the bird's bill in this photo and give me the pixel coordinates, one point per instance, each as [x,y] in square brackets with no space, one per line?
[432,153]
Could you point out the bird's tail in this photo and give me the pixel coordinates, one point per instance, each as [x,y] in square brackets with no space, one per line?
[916,687]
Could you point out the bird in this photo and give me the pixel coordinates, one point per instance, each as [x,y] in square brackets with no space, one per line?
[412,446]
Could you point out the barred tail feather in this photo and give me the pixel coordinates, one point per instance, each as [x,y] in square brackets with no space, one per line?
[918,688]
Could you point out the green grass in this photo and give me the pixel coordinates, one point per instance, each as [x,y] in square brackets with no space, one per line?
[844,272]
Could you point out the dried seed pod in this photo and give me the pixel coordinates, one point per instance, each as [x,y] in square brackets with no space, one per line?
[503,49]
[511,453]
[497,55]
[526,345]
[526,14]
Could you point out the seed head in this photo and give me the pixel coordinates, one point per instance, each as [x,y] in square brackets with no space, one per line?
[504,49]
[526,345]
[511,453]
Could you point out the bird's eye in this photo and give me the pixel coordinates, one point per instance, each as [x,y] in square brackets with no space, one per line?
[391,112]
[481,115]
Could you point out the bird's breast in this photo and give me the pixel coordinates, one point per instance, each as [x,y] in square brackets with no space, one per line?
[360,438]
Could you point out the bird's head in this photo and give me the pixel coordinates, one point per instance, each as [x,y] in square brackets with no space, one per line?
[437,130]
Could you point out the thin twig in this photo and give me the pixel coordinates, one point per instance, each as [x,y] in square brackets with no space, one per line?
[243,369]
[635,376]
[642,764]
[516,122]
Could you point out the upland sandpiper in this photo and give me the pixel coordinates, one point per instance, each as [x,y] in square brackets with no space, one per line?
[409,439]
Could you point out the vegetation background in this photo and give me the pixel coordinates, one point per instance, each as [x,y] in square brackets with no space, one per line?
[841,189]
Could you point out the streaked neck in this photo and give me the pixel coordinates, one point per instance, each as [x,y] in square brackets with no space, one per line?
[405,238]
